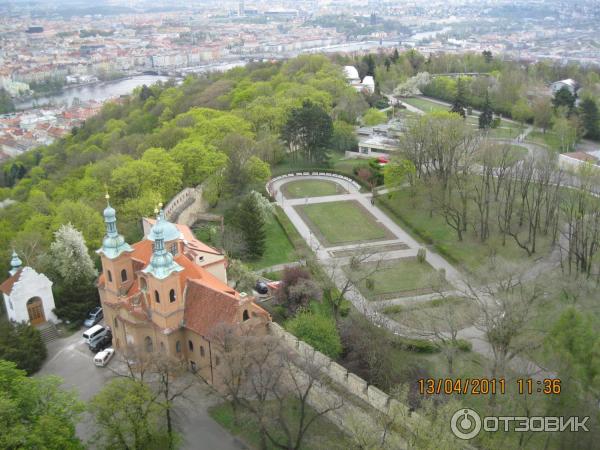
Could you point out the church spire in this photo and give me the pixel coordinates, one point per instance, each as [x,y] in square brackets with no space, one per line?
[113,243]
[161,264]
[15,263]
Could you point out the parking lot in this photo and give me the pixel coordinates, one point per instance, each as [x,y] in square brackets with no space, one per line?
[70,359]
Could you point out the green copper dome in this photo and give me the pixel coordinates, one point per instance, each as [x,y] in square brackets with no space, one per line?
[161,264]
[170,232]
[113,243]
[15,263]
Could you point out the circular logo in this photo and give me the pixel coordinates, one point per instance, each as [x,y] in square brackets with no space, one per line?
[465,424]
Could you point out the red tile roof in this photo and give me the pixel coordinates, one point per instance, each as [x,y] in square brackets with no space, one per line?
[206,307]
[8,284]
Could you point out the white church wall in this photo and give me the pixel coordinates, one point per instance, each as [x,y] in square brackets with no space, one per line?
[32,284]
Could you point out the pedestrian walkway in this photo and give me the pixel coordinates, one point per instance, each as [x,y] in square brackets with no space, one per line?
[369,308]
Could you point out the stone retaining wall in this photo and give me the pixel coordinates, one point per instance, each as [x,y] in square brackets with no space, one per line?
[344,380]
[178,203]
[269,186]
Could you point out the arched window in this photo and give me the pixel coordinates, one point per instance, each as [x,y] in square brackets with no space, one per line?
[148,344]
[178,347]
[123,275]
[245,315]
[172,295]
[143,284]
[202,351]
[191,346]
[109,275]
[156,297]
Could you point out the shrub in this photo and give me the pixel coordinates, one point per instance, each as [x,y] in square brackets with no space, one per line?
[421,255]
[463,345]
[22,344]
[318,331]
[416,345]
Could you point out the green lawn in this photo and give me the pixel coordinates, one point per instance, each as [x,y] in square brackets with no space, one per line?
[321,435]
[398,278]
[424,104]
[413,214]
[278,248]
[504,132]
[547,139]
[311,188]
[336,223]
[435,314]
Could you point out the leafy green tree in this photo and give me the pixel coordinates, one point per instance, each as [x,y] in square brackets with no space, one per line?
[563,97]
[542,113]
[396,173]
[83,217]
[459,105]
[22,344]
[374,117]
[318,331]
[35,413]
[566,133]
[487,55]
[590,117]
[343,138]
[198,160]
[487,115]
[243,278]
[252,225]
[521,112]
[309,130]
[128,416]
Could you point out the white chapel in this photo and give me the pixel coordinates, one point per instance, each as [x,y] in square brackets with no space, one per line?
[27,295]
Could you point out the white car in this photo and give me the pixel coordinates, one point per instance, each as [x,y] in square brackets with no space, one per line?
[102,358]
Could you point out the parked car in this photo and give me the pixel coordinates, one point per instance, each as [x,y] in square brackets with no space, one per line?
[101,344]
[102,358]
[261,287]
[95,316]
[94,334]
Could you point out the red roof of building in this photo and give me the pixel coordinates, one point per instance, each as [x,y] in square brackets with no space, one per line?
[8,284]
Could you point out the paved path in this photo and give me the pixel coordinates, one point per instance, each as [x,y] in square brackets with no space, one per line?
[370,308]
[70,359]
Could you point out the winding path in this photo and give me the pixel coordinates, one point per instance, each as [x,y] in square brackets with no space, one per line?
[370,309]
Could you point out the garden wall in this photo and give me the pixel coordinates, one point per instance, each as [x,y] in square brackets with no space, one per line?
[363,398]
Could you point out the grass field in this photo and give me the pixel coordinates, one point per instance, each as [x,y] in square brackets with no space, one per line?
[414,215]
[424,104]
[336,223]
[278,249]
[311,188]
[322,433]
[435,314]
[398,278]
[547,139]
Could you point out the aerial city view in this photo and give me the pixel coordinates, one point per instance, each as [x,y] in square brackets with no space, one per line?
[312,224]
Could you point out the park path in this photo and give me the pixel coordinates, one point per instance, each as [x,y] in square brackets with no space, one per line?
[371,308]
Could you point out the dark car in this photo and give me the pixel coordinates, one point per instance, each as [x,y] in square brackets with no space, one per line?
[95,316]
[261,287]
[105,342]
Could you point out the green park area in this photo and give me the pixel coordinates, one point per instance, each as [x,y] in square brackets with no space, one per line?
[396,278]
[337,223]
[311,188]
[417,213]
[278,248]
[323,434]
[425,105]
[441,314]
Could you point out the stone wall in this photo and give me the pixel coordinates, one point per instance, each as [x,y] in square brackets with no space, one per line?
[180,202]
[358,397]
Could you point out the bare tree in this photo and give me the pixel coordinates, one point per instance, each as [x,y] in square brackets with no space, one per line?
[507,305]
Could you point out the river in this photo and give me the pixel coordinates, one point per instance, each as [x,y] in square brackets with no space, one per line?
[98,91]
